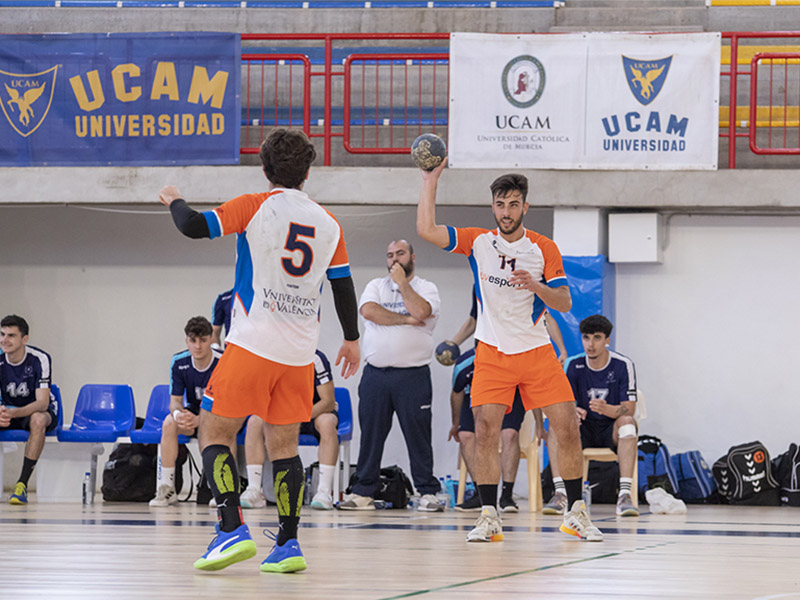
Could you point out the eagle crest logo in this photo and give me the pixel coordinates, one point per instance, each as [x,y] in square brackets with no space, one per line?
[646,77]
[26,98]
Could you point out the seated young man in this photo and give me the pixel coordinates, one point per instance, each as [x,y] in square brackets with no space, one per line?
[323,425]
[604,385]
[463,431]
[25,398]
[190,371]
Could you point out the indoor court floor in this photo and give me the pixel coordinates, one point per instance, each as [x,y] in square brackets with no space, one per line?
[117,551]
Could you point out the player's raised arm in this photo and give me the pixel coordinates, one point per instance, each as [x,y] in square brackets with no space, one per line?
[188,221]
[427,228]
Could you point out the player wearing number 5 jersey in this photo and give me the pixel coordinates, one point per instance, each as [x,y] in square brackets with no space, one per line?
[286,245]
[518,275]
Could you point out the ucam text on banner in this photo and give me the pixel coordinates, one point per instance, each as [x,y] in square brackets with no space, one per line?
[120,99]
[584,101]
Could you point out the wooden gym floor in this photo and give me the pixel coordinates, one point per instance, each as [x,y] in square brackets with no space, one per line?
[119,551]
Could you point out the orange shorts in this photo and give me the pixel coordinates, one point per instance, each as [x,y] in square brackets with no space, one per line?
[245,384]
[537,372]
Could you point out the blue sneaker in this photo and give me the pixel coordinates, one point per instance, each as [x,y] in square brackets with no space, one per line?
[284,559]
[20,495]
[226,549]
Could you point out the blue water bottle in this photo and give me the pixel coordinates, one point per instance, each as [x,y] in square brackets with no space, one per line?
[450,486]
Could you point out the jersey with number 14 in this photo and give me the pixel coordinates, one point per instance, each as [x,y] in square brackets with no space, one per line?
[286,245]
[509,318]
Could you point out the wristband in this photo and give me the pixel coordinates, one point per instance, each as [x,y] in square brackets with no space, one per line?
[175,413]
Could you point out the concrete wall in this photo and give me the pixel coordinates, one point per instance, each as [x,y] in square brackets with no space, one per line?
[710,329]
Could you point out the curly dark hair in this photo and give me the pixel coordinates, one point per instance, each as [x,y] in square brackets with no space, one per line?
[286,155]
[197,327]
[596,323]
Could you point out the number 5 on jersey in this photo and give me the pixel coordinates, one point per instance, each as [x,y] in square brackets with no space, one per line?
[293,244]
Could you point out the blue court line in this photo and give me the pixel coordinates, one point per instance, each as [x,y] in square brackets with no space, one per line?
[394,526]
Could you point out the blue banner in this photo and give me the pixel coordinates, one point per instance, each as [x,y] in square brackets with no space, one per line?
[593,288]
[120,99]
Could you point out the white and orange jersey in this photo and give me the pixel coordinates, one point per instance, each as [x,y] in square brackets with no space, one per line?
[509,318]
[286,245]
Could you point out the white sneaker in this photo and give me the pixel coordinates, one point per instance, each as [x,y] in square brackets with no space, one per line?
[429,503]
[322,501]
[488,527]
[356,502]
[165,496]
[577,523]
[626,507]
[556,506]
[252,498]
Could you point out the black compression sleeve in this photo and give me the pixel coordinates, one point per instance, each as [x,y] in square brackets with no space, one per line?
[344,298]
[188,221]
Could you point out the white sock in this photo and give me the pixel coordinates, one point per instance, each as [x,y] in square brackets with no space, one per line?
[167,476]
[558,482]
[326,473]
[625,485]
[254,476]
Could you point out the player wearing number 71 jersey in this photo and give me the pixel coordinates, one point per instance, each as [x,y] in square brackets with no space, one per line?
[518,275]
[286,245]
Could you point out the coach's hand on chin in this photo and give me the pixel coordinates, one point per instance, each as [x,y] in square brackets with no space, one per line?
[169,193]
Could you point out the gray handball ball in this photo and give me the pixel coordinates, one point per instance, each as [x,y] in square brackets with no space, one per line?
[428,151]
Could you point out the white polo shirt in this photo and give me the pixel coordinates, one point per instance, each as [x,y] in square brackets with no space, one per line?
[398,345]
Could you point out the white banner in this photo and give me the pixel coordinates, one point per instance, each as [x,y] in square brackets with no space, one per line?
[584,101]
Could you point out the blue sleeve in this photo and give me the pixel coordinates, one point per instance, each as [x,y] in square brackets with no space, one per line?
[177,386]
[214,229]
[572,376]
[452,239]
[459,377]
[219,312]
[322,369]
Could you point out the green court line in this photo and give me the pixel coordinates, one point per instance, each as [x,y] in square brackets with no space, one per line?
[525,572]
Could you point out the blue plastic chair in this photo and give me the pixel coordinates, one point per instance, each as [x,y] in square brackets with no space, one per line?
[103,413]
[157,409]
[19,435]
[345,434]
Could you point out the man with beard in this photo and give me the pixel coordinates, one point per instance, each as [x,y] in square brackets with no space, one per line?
[399,312]
[519,275]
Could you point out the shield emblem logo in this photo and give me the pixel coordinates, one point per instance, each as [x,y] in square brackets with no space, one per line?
[26,98]
[646,77]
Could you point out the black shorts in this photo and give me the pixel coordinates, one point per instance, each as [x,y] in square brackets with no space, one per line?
[596,434]
[24,423]
[512,420]
[308,428]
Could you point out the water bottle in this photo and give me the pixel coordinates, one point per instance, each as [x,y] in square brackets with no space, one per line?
[381,504]
[450,486]
[88,495]
[587,495]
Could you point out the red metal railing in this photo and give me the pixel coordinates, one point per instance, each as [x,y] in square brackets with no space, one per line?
[280,61]
[775,120]
[734,74]
[390,60]
[382,129]
[328,74]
